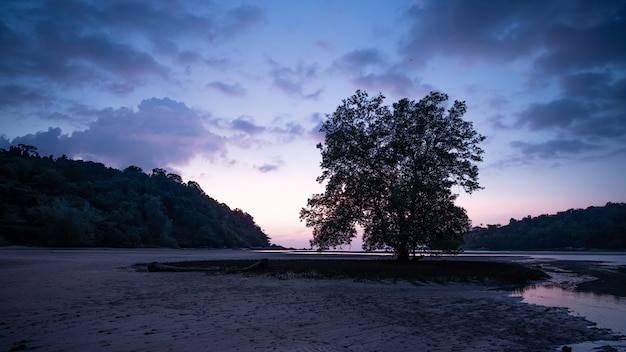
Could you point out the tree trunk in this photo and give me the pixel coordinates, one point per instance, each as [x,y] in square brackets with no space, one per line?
[402,254]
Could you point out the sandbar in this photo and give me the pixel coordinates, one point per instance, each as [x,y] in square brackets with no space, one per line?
[94,300]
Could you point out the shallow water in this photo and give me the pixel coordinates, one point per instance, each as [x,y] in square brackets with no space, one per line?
[607,311]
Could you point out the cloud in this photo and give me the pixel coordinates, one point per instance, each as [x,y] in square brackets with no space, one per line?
[558,35]
[591,38]
[560,113]
[159,133]
[369,69]
[246,124]
[162,132]
[593,105]
[577,44]
[242,19]
[552,149]
[269,167]
[586,85]
[228,89]
[116,45]
[483,29]
[73,54]
[357,61]
[291,80]
[50,142]
[12,95]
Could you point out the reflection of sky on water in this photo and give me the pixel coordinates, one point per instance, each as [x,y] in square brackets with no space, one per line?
[605,310]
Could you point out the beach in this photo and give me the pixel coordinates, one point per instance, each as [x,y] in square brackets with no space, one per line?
[95,300]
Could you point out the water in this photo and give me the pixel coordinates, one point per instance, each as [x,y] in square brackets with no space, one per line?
[607,311]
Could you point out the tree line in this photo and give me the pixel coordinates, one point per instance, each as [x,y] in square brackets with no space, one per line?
[63,202]
[591,228]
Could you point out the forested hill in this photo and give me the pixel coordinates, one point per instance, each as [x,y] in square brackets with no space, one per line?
[591,228]
[62,202]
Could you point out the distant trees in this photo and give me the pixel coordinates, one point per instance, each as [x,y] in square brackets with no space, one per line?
[63,202]
[591,228]
[390,171]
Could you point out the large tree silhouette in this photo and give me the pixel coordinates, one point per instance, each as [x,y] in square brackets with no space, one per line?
[390,172]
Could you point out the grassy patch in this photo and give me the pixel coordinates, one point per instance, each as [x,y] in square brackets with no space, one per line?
[436,270]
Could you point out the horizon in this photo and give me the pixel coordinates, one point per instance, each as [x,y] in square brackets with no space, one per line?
[231,94]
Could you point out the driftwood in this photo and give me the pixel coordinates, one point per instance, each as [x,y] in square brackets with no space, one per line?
[160,267]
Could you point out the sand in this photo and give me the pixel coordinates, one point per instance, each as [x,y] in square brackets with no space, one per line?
[94,300]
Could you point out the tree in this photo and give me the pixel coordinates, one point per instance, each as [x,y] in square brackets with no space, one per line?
[390,171]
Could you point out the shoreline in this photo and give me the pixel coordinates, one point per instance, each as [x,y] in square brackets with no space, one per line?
[79,300]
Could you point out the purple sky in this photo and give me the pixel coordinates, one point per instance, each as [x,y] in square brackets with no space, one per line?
[231,94]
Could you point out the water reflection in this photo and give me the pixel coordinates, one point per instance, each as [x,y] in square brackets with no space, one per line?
[605,310]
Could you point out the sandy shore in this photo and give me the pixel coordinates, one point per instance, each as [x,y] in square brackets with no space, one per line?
[93,300]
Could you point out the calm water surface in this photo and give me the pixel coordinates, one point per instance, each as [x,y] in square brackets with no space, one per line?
[607,311]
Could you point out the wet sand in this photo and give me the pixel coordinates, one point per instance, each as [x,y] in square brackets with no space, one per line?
[94,300]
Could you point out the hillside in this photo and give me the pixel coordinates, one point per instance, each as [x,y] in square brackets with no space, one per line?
[591,228]
[62,202]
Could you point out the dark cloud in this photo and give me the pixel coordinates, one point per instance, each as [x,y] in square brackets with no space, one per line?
[50,142]
[474,30]
[116,45]
[161,132]
[12,95]
[369,69]
[561,35]
[291,80]
[594,86]
[560,113]
[586,85]
[552,149]
[267,168]
[242,19]
[229,89]
[246,124]
[357,61]
[593,105]
[575,43]
[592,38]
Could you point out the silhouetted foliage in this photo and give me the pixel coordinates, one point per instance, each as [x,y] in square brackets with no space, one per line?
[591,228]
[390,171]
[66,202]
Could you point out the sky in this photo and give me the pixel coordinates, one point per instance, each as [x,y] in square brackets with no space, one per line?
[231,94]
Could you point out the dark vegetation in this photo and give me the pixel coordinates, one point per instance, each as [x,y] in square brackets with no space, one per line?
[591,228]
[426,270]
[61,202]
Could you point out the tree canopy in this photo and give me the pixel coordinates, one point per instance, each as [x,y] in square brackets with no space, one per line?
[390,170]
[62,202]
